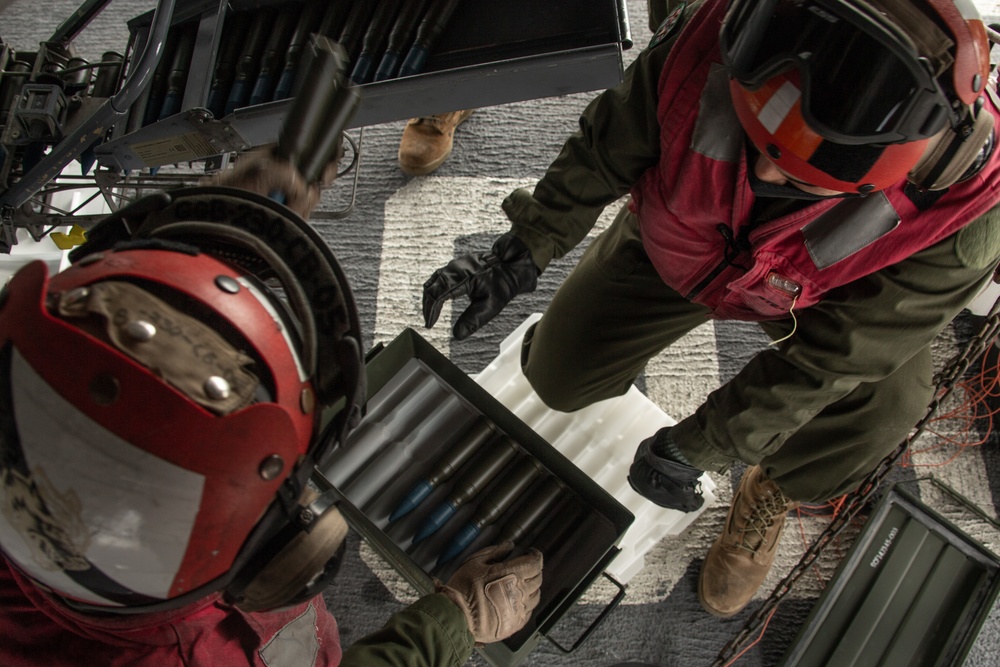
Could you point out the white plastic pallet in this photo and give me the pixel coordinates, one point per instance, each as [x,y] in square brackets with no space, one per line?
[601,440]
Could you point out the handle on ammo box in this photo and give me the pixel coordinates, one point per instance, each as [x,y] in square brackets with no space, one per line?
[597,621]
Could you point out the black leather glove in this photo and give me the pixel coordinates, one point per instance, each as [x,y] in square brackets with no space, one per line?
[489,279]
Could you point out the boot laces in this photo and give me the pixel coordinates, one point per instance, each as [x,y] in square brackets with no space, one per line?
[763,515]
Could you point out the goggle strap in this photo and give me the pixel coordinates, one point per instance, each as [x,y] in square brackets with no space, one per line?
[909,24]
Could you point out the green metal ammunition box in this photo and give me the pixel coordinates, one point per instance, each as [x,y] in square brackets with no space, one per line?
[912,592]
[420,403]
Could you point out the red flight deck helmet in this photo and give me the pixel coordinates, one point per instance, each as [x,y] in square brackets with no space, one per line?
[855,96]
[162,409]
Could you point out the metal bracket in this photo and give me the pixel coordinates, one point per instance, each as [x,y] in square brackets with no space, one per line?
[184,137]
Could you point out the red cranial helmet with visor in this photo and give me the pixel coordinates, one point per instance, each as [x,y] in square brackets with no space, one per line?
[162,409]
[855,96]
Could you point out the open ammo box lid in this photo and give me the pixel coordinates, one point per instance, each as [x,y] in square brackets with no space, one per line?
[913,590]
[490,53]
[421,407]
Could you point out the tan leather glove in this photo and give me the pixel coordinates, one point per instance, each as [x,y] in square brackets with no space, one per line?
[262,172]
[497,596]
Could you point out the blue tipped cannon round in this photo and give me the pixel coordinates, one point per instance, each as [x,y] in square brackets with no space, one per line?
[437,518]
[420,490]
[465,536]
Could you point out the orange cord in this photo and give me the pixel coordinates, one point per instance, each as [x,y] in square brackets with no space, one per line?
[972,410]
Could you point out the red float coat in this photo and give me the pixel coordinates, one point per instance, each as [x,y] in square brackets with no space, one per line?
[38,630]
[701,240]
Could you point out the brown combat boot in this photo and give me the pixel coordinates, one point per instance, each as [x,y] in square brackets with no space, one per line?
[427,141]
[741,557]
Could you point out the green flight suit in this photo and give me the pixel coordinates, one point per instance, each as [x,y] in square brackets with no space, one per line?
[817,411]
[431,632]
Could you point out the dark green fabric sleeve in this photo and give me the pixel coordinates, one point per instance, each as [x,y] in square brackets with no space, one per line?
[617,141]
[859,333]
[431,632]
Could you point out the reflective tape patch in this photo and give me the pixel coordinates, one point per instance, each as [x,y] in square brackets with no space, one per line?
[773,114]
[295,645]
[718,134]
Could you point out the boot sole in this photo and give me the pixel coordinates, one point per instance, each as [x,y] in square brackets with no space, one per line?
[712,610]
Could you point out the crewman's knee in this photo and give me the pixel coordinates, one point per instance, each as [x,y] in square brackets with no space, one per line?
[558,393]
[556,381]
